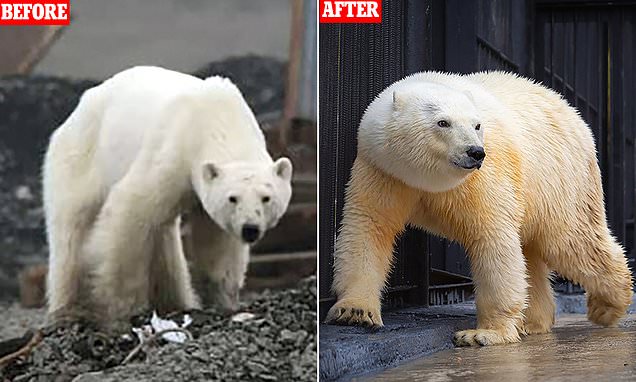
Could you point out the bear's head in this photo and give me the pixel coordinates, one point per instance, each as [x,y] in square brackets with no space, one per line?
[245,198]
[425,134]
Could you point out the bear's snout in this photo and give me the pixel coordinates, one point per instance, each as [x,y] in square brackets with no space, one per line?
[476,152]
[472,158]
[250,233]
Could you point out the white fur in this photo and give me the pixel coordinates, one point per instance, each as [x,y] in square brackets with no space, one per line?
[405,115]
[127,162]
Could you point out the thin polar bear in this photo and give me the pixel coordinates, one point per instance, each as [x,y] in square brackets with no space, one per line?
[499,164]
[140,149]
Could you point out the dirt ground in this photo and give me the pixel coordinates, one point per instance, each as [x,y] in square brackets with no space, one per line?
[17,320]
[277,343]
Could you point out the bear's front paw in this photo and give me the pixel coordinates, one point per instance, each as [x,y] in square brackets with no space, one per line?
[67,316]
[482,337]
[356,312]
[222,294]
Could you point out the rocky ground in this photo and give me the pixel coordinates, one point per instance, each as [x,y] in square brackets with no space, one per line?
[32,107]
[277,342]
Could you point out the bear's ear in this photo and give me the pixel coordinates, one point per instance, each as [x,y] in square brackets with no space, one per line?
[283,168]
[210,171]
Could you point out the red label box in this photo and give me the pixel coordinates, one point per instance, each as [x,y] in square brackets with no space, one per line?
[351,12]
[35,12]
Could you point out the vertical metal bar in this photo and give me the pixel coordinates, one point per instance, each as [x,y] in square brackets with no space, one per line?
[564,76]
[538,47]
[461,28]
[528,60]
[419,12]
[628,128]
[293,67]
[607,117]
[419,50]
[329,52]
[574,20]
[300,99]
[601,101]
[632,90]
[552,84]
[417,44]
[509,35]
[617,79]
[588,80]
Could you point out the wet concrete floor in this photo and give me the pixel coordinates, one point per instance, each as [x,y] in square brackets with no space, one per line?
[576,350]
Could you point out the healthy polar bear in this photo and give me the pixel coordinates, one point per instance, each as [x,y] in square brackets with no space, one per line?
[138,150]
[534,206]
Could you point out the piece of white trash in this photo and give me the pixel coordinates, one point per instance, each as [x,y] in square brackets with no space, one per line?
[242,317]
[158,324]
[143,333]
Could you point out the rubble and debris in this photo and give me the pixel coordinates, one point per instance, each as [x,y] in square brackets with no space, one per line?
[34,339]
[159,329]
[274,341]
[158,324]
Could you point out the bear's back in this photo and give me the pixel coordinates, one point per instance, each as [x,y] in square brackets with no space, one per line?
[146,108]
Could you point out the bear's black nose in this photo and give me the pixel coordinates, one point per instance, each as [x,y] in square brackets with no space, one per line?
[476,152]
[250,233]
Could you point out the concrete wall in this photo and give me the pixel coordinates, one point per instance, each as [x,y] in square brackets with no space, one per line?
[108,36]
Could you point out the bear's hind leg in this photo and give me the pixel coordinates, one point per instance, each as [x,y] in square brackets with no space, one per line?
[67,228]
[601,268]
[72,198]
[539,315]
[610,293]
[171,287]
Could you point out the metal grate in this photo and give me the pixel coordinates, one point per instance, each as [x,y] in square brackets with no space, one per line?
[587,54]
[368,59]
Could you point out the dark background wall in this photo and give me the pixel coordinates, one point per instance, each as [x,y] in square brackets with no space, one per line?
[583,49]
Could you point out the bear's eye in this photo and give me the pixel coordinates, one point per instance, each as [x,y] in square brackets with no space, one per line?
[478,126]
[265,199]
[233,199]
[443,123]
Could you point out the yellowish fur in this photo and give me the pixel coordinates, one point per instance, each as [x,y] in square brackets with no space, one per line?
[535,206]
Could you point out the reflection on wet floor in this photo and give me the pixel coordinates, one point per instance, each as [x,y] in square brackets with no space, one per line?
[576,350]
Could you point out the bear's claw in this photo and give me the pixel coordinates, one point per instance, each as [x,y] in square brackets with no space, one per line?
[481,337]
[353,313]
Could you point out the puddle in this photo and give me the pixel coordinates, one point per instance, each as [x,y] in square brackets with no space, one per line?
[576,350]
